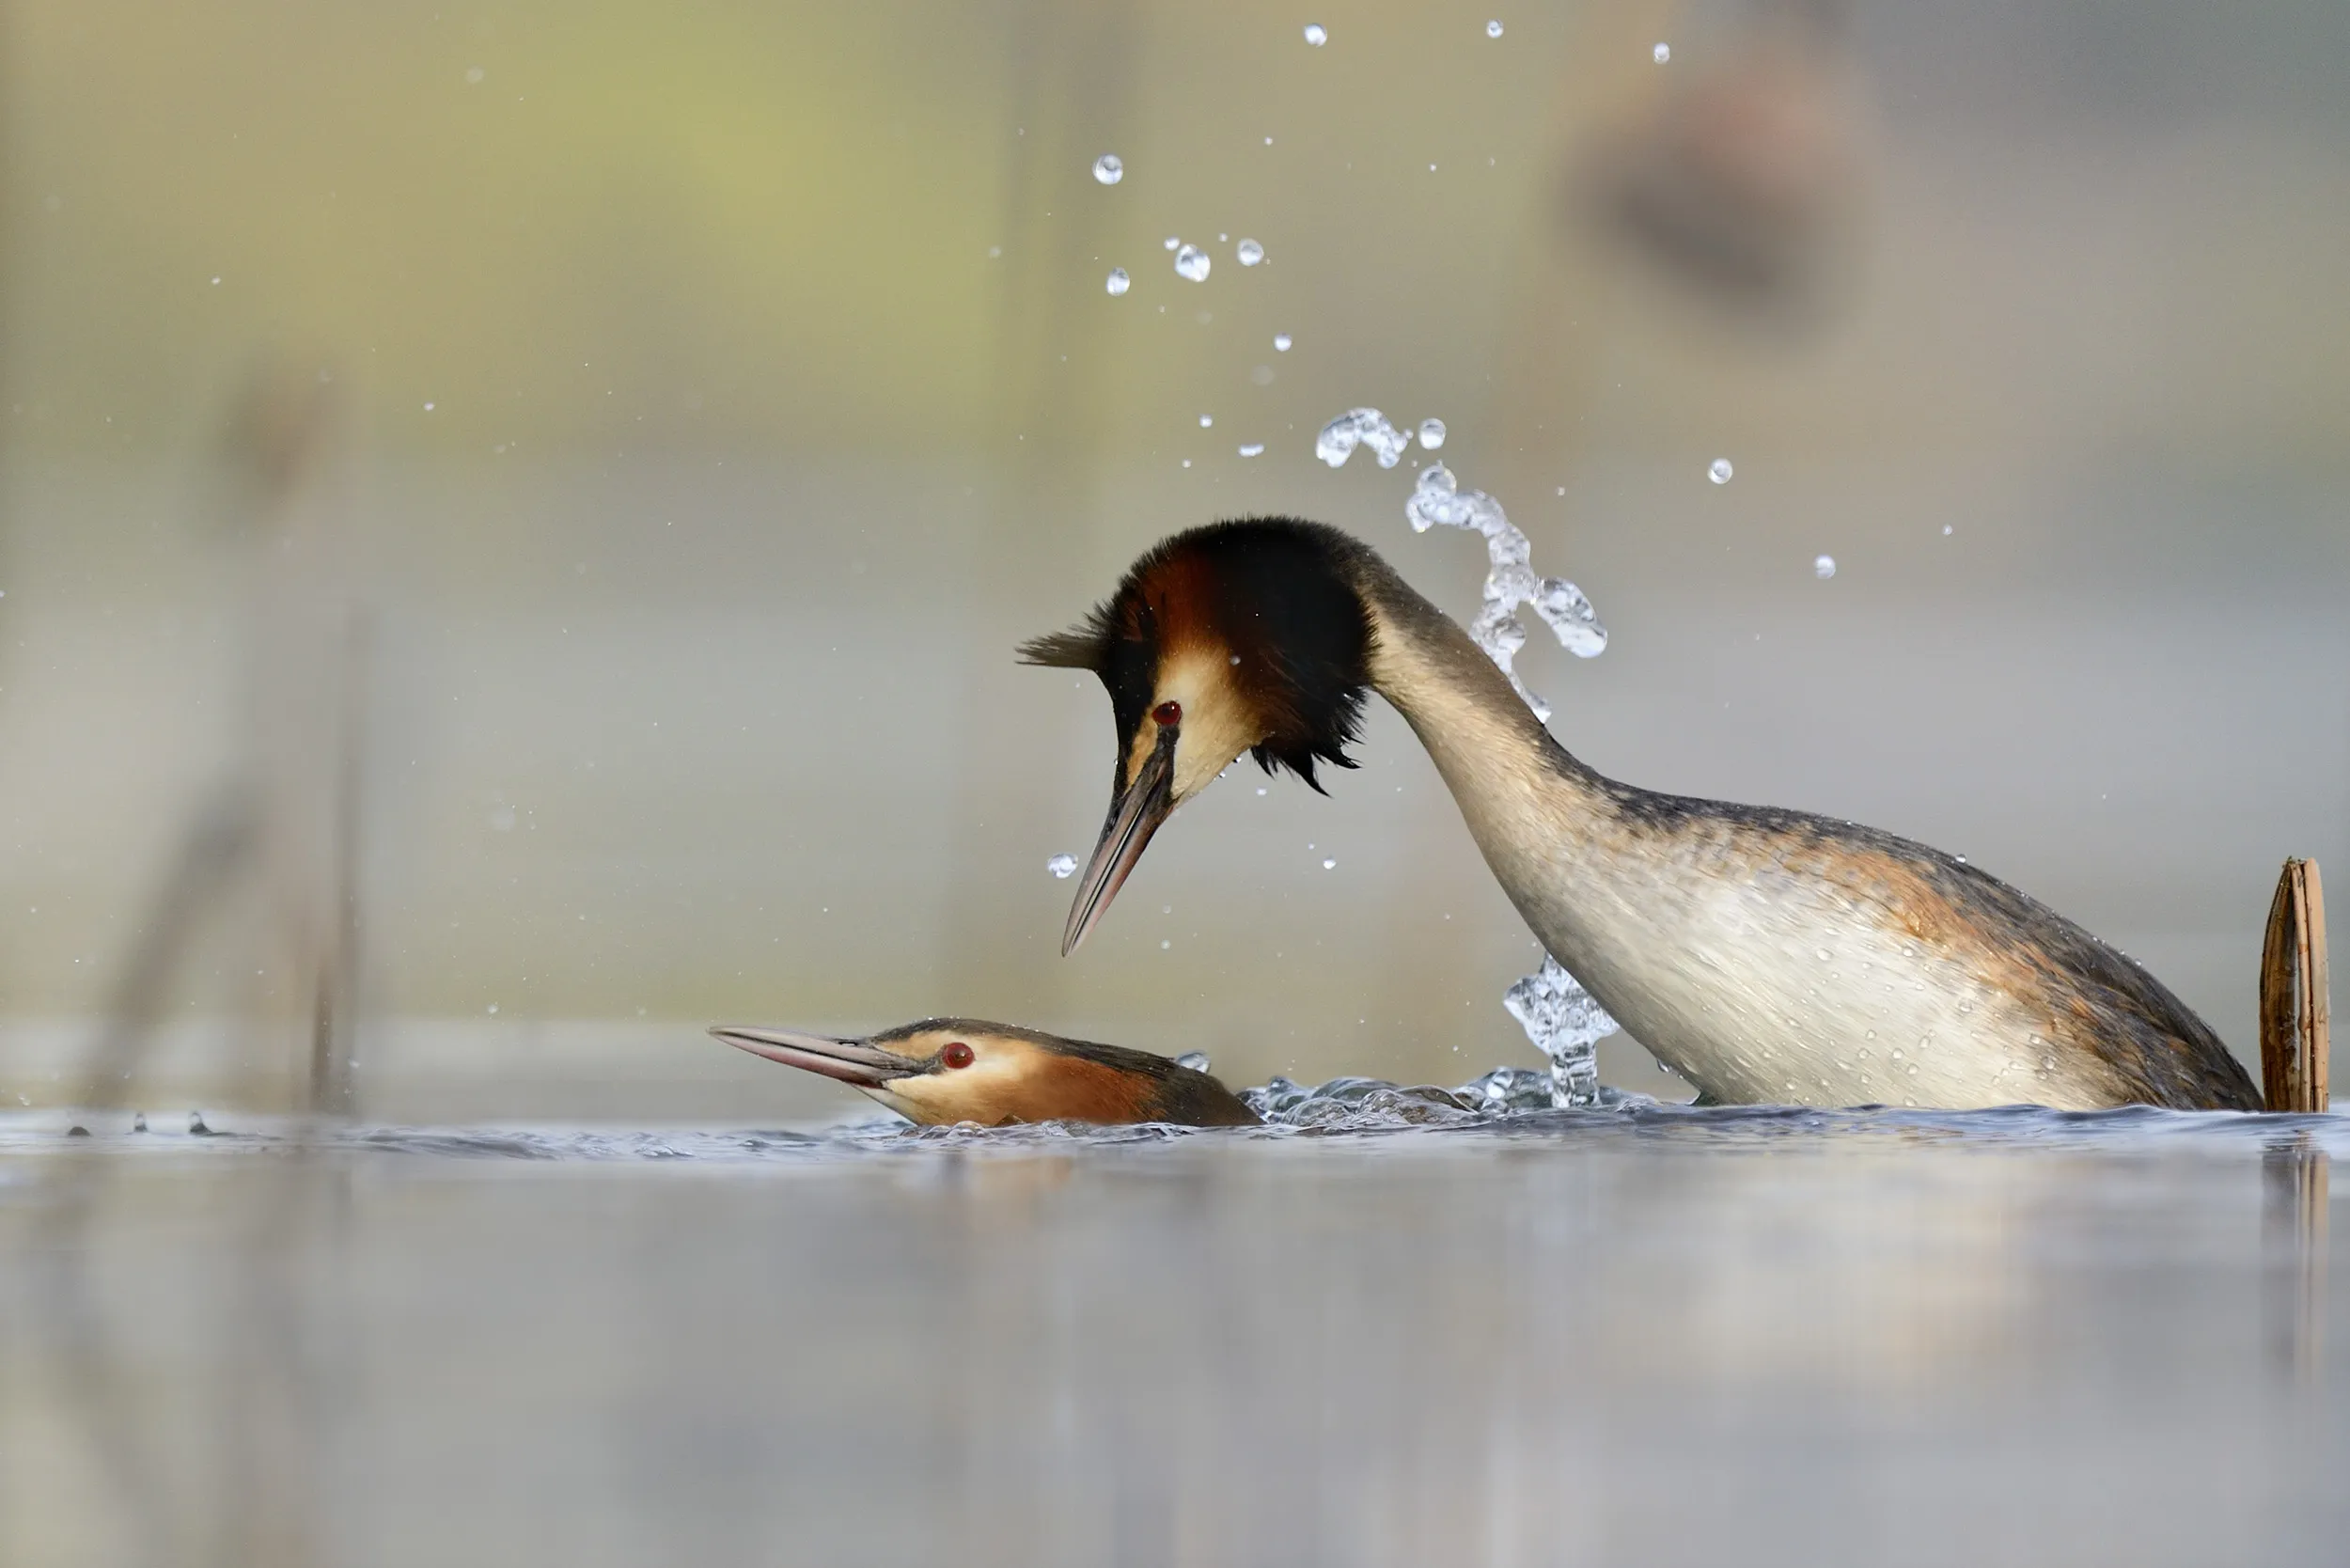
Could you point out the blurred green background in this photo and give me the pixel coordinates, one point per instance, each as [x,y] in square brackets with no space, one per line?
[719,390]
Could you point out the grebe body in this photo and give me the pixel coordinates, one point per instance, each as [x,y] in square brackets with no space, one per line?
[1765,955]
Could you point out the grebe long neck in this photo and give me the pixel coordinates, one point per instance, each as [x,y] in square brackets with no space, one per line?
[1540,817]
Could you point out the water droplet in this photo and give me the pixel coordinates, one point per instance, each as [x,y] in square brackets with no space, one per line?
[1960,858]
[1173,241]
[1362,427]
[493,1007]
[1492,29]
[1192,262]
[1825,955]
[1164,944]
[1432,433]
[1249,252]
[1664,51]
[1062,866]
[1255,449]
[1824,567]
[428,408]
[473,76]
[1280,342]
[1329,865]
[1196,1060]
[1109,169]
[1207,421]
[1945,527]
[1118,282]
[1719,471]
[1315,35]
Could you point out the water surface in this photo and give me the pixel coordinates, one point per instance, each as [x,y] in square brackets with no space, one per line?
[1662,1335]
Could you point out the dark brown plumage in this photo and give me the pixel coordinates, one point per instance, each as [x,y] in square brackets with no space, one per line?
[1266,592]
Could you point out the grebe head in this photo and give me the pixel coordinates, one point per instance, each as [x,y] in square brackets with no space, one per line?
[1247,636]
[949,1069]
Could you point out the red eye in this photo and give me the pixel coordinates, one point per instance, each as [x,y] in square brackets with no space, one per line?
[956,1054]
[1167,716]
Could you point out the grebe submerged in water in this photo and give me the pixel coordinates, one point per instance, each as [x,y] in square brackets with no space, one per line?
[942,1071]
[1765,955]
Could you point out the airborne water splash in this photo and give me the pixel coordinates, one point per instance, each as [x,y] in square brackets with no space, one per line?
[1566,1024]
[1564,1021]
[1510,583]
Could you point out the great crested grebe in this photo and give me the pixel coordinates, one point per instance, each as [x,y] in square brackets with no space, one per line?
[948,1070]
[1765,955]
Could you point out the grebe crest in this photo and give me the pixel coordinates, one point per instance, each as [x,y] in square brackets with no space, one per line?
[1247,636]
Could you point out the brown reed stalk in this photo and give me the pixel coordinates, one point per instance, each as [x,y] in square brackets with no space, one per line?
[2295,1045]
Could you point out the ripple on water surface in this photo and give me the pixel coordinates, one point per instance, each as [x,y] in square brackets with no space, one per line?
[1509,1107]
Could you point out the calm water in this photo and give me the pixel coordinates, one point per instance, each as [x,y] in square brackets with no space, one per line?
[1667,1336]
